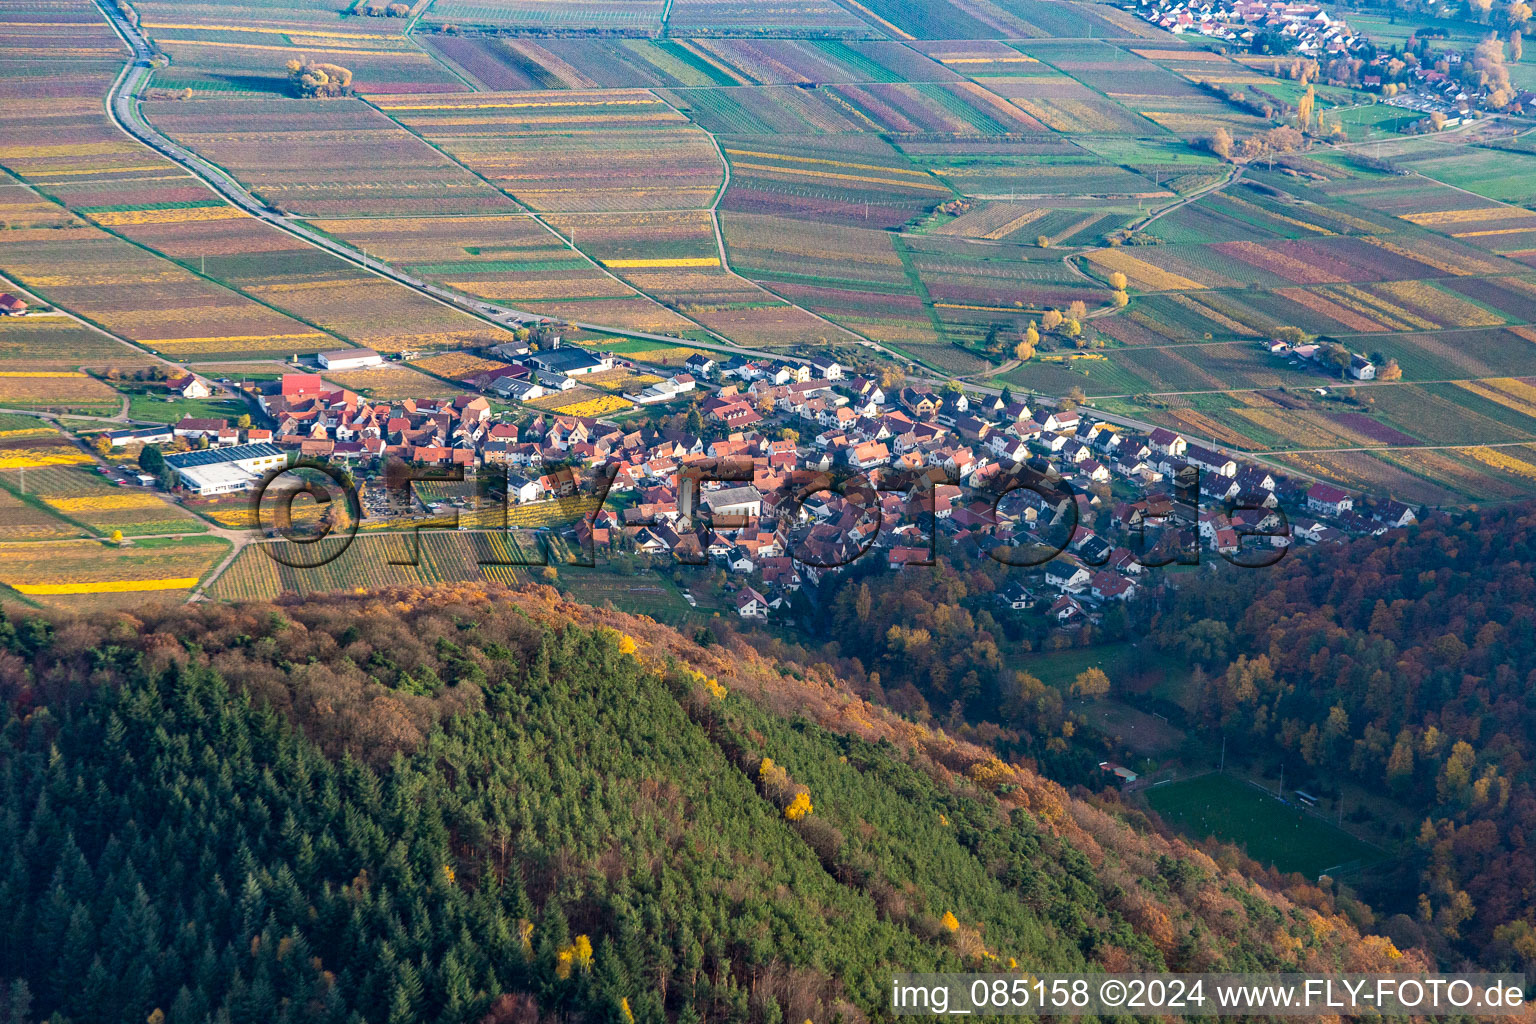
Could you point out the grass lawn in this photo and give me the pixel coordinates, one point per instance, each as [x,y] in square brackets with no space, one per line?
[1274,833]
[1120,662]
[1375,119]
[647,593]
[1141,733]
[1386,30]
[155,409]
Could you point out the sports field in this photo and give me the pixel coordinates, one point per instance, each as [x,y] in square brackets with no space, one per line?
[1271,832]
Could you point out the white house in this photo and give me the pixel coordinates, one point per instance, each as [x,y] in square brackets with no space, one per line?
[751,605]
[1328,499]
[1060,422]
[827,368]
[520,489]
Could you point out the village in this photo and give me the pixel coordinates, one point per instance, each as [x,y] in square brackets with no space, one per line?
[1419,78]
[802,467]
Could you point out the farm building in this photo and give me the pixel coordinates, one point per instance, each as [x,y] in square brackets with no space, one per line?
[735,501]
[350,359]
[226,470]
[10,305]
[146,435]
[569,362]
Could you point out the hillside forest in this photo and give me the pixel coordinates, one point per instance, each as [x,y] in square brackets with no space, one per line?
[479,804]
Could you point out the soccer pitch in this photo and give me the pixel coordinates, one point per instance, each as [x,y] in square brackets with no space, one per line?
[1271,832]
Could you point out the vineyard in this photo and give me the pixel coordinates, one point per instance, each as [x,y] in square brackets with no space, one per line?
[87,574]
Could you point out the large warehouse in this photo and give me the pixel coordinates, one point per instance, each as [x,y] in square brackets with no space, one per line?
[226,470]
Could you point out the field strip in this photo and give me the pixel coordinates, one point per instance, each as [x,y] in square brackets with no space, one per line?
[294,49]
[270,31]
[830,163]
[1401,448]
[866,12]
[807,172]
[107,587]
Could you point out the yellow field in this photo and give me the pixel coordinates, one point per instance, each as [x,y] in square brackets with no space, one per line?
[600,406]
[69,569]
[1500,459]
[1506,391]
[1141,275]
[1438,217]
[120,218]
[687,261]
[34,458]
[108,586]
[106,502]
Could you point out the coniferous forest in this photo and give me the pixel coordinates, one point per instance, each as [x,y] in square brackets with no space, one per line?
[476,804]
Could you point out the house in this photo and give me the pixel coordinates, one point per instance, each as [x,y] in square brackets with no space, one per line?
[864,456]
[190,386]
[1211,461]
[751,605]
[1061,422]
[700,364]
[1361,368]
[10,305]
[192,428]
[1066,610]
[510,350]
[1166,442]
[553,381]
[1118,771]
[827,368]
[1066,574]
[349,359]
[1329,500]
[517,390]
[520,489]
[1111,586]
[1396,514]
[1015,596]
[921,402]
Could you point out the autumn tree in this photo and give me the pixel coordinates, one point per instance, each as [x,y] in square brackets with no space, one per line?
[1090,683]
[1304,109]
[1220,143]
[1117,281]
[313,80]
